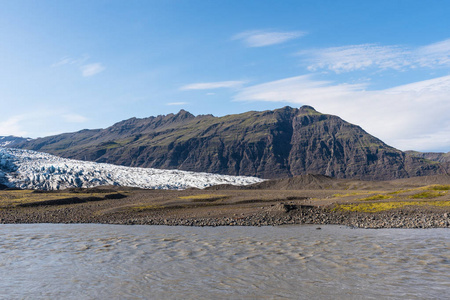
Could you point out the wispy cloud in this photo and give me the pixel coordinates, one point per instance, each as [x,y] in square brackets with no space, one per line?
[177,103]
[74,118]
[70,61]
[213,85]
[437,54]
[413,116]
[294,89]
[260,38]
[11,126]
[91,69]
[358,57]
[41,122]
[365,56]
[87,69]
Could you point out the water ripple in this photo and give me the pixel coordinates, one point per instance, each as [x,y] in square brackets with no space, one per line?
[291,262]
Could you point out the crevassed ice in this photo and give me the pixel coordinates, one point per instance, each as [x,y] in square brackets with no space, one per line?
[36,170]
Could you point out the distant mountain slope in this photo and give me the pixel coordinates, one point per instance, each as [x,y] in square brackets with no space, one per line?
[11,141]
[300,182]
[440,157]
[268,144]
[322,182]
[434,156]
[33,170]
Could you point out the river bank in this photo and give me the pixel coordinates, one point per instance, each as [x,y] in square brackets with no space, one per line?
[225,208]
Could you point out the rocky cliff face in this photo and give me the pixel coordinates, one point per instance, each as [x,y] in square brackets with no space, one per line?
[442,158]
[269,144]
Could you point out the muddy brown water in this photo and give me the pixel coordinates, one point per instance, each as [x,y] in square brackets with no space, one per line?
[57,261]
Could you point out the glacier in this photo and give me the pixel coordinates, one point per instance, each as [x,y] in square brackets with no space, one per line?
[26,169]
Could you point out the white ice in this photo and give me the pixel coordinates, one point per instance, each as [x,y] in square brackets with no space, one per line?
[36,170]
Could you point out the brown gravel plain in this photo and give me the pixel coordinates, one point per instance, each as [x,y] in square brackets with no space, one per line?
[309,199]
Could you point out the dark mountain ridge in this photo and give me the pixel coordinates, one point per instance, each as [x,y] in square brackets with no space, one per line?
[270,144]
[11,140]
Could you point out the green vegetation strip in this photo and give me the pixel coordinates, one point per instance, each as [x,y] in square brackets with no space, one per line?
[428,195]
[28,198]
[383,206]
[376,197]
[352,194]
[440,187]
[426,192]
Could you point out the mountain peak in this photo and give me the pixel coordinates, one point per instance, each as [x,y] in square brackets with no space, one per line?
[184,114]
[181,116]
[306,109]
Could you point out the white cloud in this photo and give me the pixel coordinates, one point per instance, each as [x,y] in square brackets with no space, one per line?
[74,118]
[413,116]
[87,70]
[294,89]
[11,126]
[365,56]
[437,54]
[41,122]
[358,57]
[177,103]
[91,69]
[70,61]
[213,85]
[258,38]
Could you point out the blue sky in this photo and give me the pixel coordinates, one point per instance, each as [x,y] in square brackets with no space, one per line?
[71,65]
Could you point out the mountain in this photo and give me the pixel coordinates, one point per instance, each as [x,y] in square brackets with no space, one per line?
[434,156]
[300,182]
[11,141]
[440,157]
[33,170]
[269,144]
[322,182]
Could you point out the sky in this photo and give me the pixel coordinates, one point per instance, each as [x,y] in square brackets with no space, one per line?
[72,65]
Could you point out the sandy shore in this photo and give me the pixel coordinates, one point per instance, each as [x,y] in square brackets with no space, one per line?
[227,208]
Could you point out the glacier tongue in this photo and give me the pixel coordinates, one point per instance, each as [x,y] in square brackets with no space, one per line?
[27,169]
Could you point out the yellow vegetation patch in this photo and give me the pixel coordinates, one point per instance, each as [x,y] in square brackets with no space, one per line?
[433,187]
[376,197]
[439,187]
[428,194]
[383,206]
[17,197]
[351,194]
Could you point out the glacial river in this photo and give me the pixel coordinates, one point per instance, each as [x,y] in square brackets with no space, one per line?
[50,261]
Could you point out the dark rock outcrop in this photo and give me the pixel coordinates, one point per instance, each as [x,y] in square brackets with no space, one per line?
[269,144]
